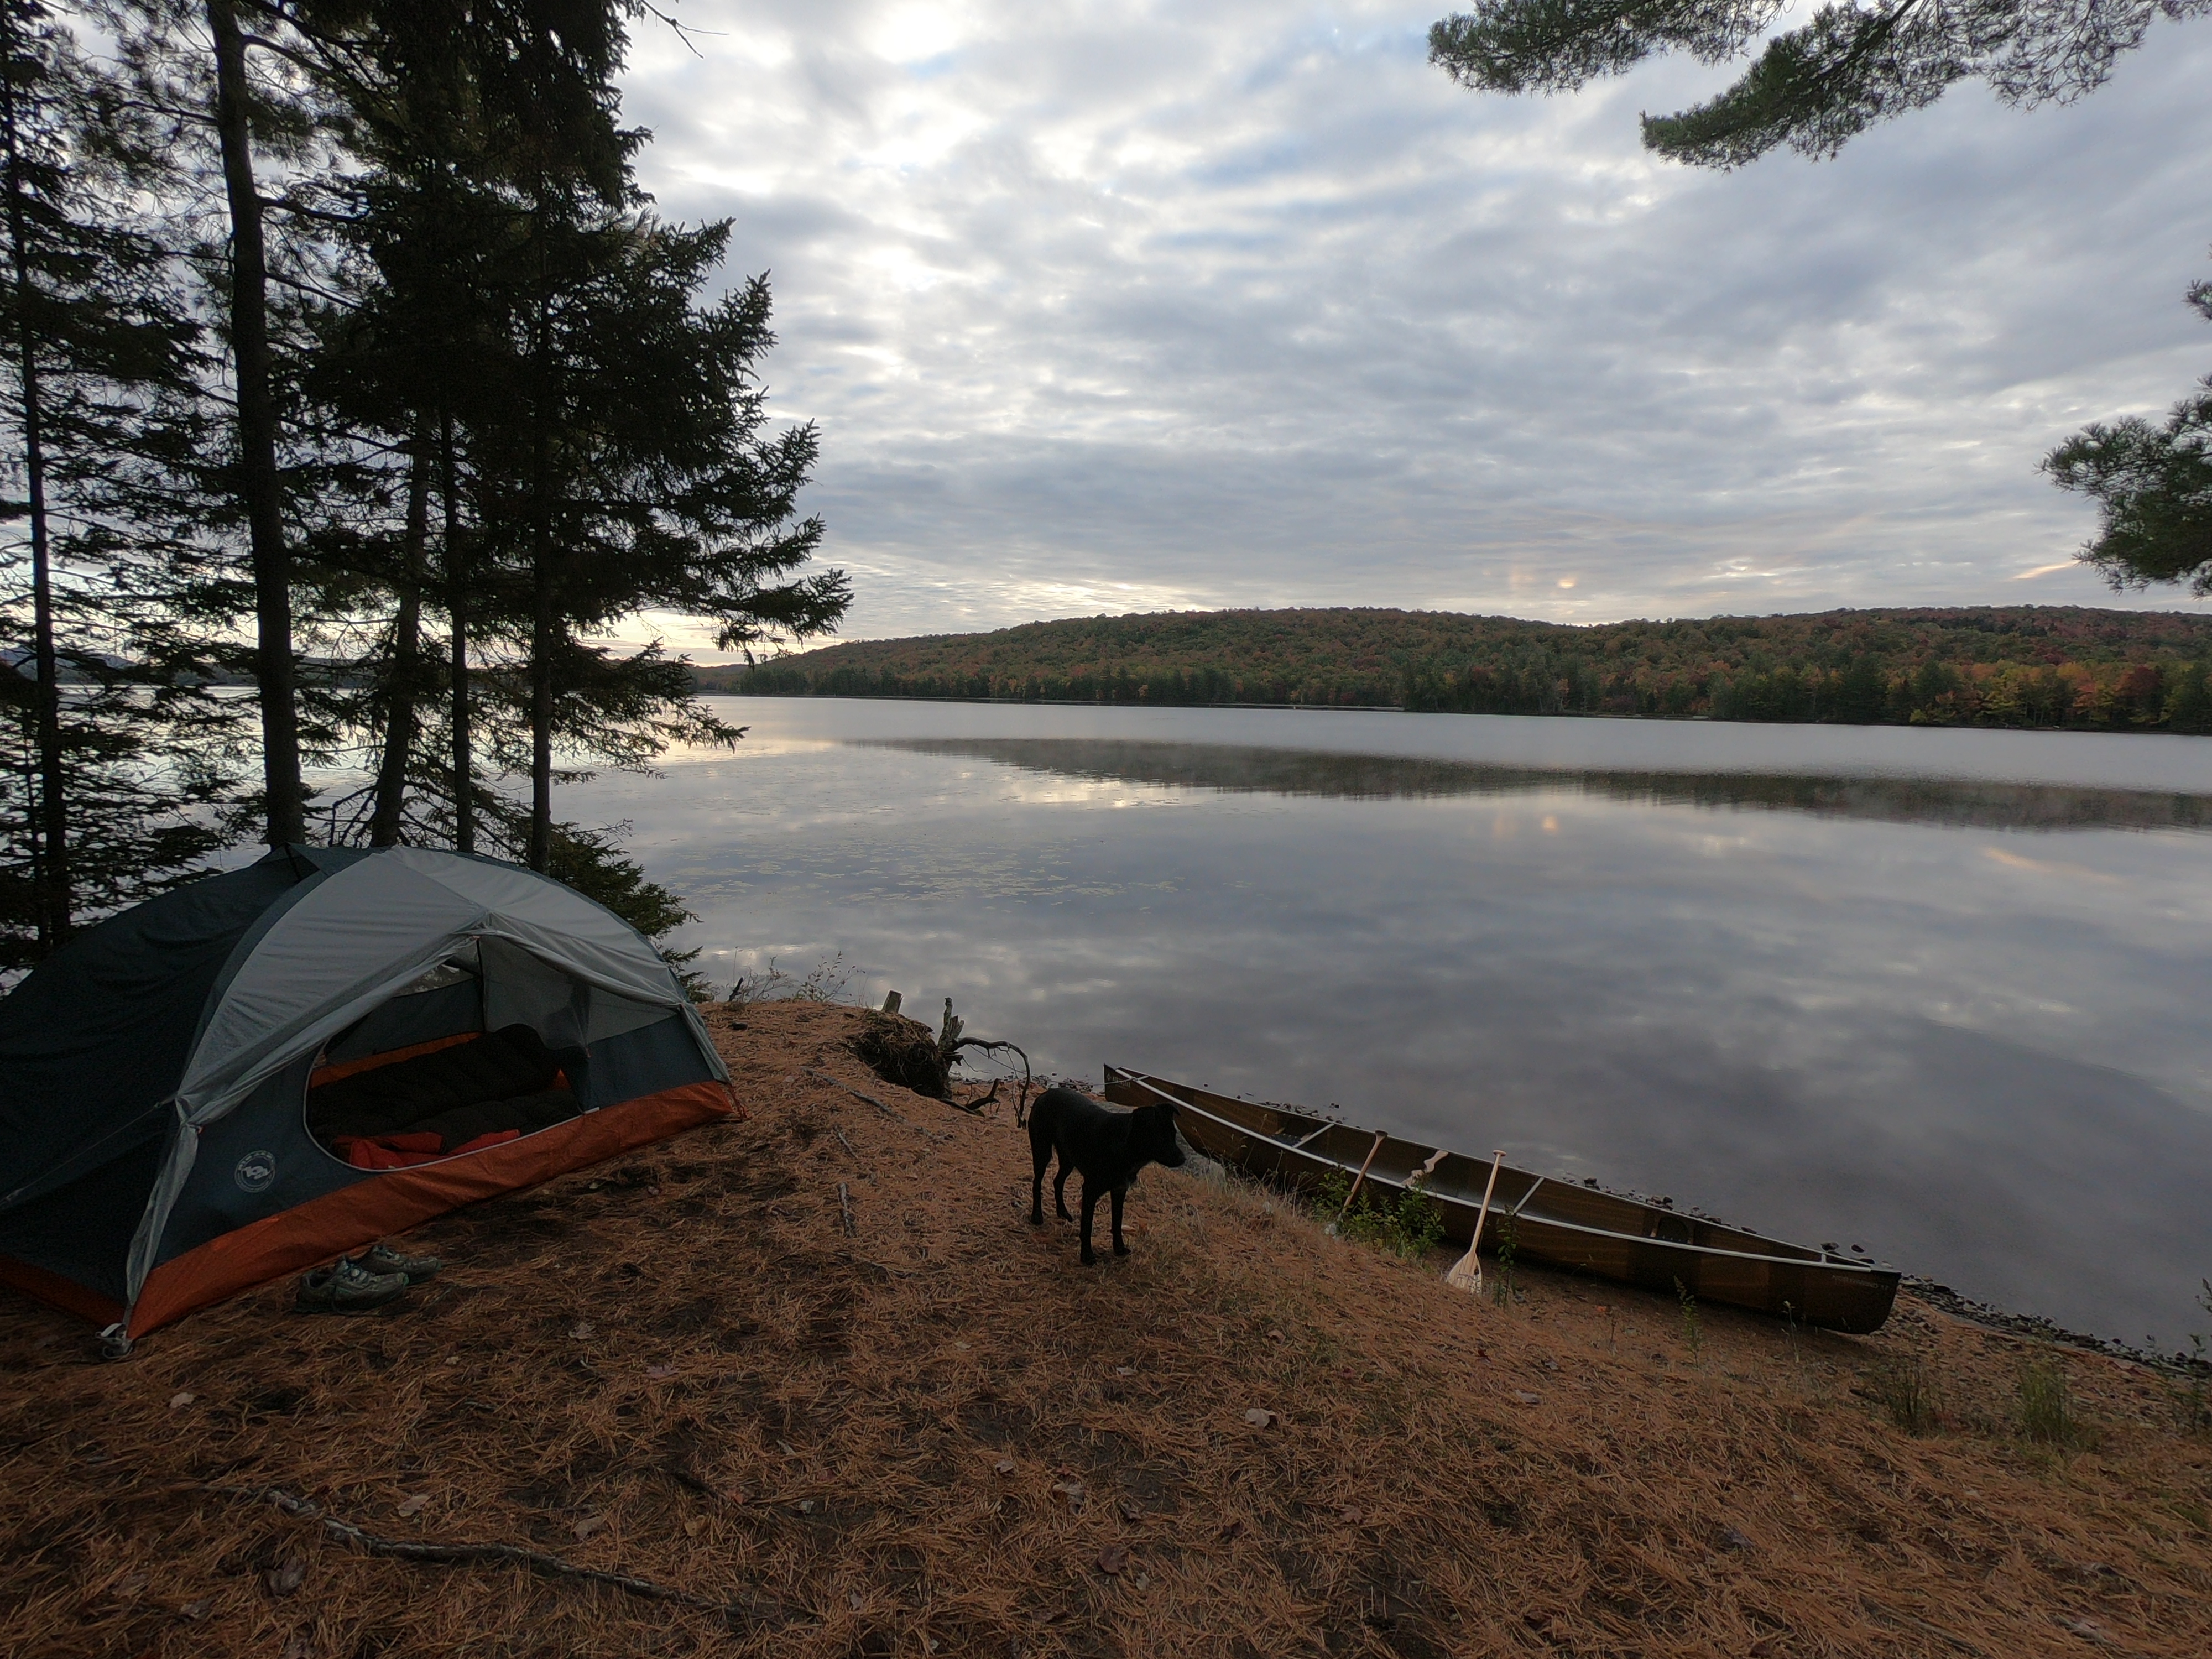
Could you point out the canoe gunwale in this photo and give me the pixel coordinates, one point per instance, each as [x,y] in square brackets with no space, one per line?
[1855,1281]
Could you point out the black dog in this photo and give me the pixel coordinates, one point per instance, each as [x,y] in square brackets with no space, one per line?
[1109,1147]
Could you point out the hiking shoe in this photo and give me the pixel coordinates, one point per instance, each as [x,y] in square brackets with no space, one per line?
[346,1287]
[383,1259]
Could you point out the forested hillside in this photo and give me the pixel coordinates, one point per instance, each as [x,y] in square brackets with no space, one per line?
[2019,665]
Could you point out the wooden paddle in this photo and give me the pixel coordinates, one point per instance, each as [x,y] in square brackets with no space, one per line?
[1466,1272]
[1380,1136]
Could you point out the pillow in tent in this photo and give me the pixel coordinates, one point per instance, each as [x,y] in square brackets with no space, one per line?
[497,1066]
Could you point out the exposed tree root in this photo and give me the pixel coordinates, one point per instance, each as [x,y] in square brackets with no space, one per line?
[901,1051]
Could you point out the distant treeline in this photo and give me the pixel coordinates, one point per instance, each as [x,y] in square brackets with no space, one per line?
[2021,666]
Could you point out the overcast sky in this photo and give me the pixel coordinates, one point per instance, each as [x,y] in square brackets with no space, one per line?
[1124,306]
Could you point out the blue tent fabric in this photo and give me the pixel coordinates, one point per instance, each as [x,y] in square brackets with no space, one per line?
[108,1024]
[81,1229]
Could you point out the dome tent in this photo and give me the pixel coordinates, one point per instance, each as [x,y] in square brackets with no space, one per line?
[158,1150]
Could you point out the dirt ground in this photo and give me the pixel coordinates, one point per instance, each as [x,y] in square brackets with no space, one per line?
[930,1431]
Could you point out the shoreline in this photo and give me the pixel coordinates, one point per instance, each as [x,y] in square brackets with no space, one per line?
[1996,1318]
[811,1380]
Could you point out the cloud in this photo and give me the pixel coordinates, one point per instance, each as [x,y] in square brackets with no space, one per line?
[1125,306]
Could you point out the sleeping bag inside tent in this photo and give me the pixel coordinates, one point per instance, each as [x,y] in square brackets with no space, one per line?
[267,1068]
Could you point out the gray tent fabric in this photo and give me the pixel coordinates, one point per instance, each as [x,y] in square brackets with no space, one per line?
[256,976]
[402,911]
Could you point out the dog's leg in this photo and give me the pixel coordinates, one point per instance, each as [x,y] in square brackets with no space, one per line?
[1042,1156]
[1120,1248]
[1060,1188]
[1090,1208]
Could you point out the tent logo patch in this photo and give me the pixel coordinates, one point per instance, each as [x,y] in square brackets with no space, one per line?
[255,1171]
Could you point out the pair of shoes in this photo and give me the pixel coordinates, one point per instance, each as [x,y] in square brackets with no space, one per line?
[383,1259]
[347,1287]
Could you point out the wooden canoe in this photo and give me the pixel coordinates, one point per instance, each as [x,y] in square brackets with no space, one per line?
[1547,1220]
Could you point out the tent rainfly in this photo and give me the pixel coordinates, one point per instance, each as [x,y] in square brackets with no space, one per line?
[268,1067]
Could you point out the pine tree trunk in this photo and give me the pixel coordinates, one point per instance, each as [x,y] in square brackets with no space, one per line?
[456,612]
[51,826]
[406,655]
[542,634]
[257,439]
[541,623]
[542,641]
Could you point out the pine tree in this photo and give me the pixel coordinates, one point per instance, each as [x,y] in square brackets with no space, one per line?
[259,490]
[2153,484]
[638,475]
[1813,88]
[23,73]
[443,108]
[505,326]
[119,757]
[456,377]
[232,122]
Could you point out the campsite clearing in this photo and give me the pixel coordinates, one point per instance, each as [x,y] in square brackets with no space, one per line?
[812,1375]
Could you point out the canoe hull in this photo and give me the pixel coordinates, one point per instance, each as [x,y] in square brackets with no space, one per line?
[1546,1221]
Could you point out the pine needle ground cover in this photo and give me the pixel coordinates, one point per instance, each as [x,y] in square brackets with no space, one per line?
[808,1384]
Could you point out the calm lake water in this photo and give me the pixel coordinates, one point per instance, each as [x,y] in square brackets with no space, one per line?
[1941,994]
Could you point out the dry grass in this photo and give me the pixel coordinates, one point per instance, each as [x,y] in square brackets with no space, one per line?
[867,1444]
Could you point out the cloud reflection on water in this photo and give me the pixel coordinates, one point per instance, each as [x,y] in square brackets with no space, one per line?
[1878,1014]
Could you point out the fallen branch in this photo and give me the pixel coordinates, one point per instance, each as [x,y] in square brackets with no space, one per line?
[1021,1105]
[547,1567]
[835,1083]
